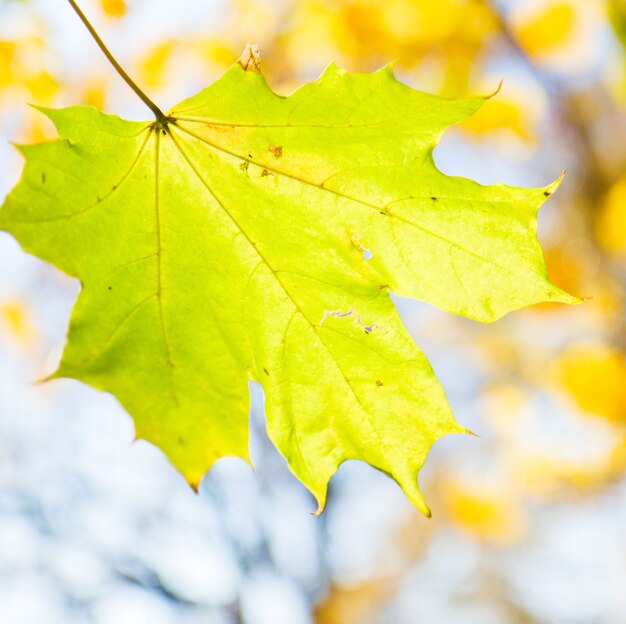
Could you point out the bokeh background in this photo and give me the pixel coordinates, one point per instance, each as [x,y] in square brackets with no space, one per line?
[529,520]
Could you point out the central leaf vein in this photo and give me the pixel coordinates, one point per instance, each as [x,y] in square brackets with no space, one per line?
[297,307]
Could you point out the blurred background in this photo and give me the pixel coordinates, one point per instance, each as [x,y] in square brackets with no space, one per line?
[529,520]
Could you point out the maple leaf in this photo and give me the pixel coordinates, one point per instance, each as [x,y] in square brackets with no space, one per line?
[249,236]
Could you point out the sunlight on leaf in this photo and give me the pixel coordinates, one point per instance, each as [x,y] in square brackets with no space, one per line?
[258,237]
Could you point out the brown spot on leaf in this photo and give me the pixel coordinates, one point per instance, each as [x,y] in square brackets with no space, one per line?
[265,173]
[266,371]
[379,383]
[277,150]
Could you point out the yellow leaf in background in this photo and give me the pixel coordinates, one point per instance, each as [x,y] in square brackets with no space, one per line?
[551,29]
[113,8]
[595,376]
[487,513]
[499,114]
[95,92]
[426,22]
[7,56]
[217,52]
[544,475]
[352,605]
[255,20]
[449,32]
[357,25]
[541,470]
[611,225]
[15,321]
[42,86]
[312,29]
[151,68]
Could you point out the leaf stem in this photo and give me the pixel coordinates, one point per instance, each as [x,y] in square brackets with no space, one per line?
[162,119]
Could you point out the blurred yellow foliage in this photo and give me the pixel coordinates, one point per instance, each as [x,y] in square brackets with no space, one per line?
[489,513]
[545,475]
[23,65]
[497,114]
[611,224]
[7,56]
[548,30]
[595,376]
[42,86]
[406,29]
[216,52]
[253,19]
[95,92]
[16,322]
[444,38]
[351,605]
[152,66]
[113,8]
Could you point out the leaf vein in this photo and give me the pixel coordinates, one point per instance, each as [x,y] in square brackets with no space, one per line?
[425,230]
[313,326]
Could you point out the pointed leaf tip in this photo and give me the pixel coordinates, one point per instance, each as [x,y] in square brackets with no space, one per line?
[332,69]
[39,381]
[250,59]
[551,188]
[498,89]
[389,68]
[319,511]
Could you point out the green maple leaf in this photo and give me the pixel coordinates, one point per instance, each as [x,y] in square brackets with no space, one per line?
[251,236]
